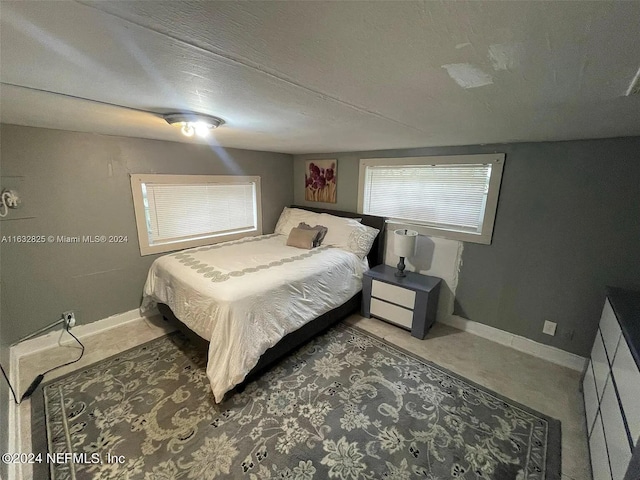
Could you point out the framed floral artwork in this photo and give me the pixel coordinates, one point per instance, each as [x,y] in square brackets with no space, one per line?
[320,181]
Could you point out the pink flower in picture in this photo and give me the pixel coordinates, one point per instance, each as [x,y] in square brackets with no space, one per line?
[320,181]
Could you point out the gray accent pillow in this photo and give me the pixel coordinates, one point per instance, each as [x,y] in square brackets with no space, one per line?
[302,238]
[321,229]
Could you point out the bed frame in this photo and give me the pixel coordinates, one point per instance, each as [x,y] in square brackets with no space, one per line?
[305,333]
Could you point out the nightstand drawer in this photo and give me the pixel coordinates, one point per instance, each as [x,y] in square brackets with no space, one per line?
[391,293]
[393,313]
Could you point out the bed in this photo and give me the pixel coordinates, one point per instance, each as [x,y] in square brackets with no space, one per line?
[257,299]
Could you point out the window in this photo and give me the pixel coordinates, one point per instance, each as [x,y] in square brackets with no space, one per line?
[182,211]
[453,197]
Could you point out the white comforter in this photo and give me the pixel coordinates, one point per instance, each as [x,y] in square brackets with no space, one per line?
[244,296]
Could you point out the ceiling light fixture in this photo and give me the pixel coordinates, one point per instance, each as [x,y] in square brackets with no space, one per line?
[193,123]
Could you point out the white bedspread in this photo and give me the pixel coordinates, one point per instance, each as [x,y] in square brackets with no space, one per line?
[244,296]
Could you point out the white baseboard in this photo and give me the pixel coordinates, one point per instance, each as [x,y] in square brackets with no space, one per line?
[522,344]
[45,342]
[57,338]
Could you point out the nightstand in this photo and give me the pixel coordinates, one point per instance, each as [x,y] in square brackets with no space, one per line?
[409,302]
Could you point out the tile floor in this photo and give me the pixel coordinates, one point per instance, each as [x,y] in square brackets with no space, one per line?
[541,385]
[536,383]
[97,347]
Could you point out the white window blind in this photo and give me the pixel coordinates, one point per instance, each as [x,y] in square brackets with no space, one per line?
[181,211]
[453,196]
[449,196]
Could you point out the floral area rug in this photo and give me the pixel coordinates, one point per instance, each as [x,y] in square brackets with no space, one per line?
[345,406]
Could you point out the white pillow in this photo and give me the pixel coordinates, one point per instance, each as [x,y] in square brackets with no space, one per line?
[291,218]
[348,234]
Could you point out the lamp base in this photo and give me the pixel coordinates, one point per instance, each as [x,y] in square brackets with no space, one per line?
[401,266]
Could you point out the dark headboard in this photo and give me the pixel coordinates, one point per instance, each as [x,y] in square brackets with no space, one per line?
[376,255]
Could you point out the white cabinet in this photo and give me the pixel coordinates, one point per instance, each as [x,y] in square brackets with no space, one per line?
[599,457]
[590,397]
[610,329]
[600,364]
[618,446]
[628,381]
[611,388]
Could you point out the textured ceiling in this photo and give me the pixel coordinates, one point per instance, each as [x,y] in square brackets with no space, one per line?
[303,77]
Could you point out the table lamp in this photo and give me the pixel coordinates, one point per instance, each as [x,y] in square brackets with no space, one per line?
[404,245]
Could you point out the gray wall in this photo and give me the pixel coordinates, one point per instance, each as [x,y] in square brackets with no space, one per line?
[78,184]
[4,390]
[568,223]
[4,360]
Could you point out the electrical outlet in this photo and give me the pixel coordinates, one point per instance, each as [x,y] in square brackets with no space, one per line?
[69,319]
[549,328]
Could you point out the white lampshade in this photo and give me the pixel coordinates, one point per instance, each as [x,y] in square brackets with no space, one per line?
[404,242]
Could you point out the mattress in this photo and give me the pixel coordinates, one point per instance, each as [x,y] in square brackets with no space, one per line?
[244,296]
